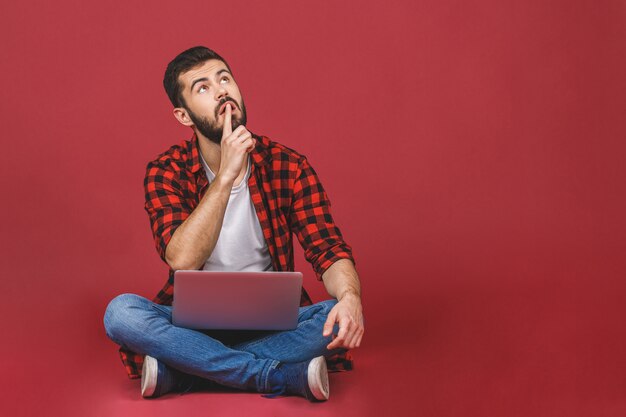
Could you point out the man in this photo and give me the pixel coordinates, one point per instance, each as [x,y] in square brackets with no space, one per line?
[230,200]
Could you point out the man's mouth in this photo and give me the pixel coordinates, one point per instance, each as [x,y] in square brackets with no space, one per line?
[233,107]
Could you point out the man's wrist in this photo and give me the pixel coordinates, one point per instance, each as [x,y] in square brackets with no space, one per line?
[223,182]
[349,294]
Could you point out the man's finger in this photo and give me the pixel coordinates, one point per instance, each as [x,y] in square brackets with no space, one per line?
[228,126]
[341,336]
[358,342]
[251,147]
[336,343]
[244,137]
[236,135]
[351,337]
[330,323]
[357,338]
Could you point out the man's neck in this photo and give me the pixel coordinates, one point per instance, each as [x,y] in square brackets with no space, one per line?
[211,153]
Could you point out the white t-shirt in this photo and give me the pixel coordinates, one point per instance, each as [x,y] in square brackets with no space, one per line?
[241,245]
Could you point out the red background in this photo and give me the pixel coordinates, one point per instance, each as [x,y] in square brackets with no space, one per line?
[473,151]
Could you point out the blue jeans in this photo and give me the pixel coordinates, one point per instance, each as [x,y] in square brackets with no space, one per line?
[238,359]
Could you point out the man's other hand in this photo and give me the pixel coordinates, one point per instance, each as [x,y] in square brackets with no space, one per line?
[348,312]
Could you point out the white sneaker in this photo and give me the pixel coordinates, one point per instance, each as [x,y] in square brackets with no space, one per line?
[317,375]
[149,376]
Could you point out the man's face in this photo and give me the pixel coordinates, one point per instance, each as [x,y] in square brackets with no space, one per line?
[206,89]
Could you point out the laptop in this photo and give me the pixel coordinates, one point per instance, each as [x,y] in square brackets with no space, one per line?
[236,300]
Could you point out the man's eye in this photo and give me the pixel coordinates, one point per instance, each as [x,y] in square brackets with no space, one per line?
[224,79]
[202,89]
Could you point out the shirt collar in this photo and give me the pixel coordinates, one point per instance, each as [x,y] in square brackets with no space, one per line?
[260,155]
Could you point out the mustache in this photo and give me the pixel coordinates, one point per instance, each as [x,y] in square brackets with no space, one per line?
[222,101]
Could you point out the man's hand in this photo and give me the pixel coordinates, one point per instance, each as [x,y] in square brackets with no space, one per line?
[234,147]
[349,314]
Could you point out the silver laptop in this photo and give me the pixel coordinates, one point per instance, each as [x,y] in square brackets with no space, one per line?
[236,300]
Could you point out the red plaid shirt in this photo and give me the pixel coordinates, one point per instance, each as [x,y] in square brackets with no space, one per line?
[288,198]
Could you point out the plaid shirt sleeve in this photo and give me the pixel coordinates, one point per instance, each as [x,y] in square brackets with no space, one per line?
[313,224]
[165,204]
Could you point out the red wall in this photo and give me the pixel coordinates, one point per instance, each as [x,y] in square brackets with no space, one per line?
[474,152]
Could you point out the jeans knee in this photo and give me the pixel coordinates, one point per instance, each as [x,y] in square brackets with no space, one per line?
[327,305]
[117,313]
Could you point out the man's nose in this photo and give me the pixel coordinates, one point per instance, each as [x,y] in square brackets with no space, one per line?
[221,93]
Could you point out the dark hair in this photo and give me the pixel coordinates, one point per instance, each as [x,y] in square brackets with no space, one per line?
[183,62]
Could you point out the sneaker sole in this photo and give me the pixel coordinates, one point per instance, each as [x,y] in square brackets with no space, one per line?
[317,375]
[149,374]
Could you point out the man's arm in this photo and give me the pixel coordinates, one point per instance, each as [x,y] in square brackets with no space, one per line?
[330,256]
[342,282]
[194,240]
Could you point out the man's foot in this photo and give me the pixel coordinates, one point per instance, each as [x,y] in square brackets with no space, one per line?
[308,379]
[158,379]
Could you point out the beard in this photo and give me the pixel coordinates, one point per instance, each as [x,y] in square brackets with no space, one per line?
[209,129]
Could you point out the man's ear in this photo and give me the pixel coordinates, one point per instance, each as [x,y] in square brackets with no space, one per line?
[182,116]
